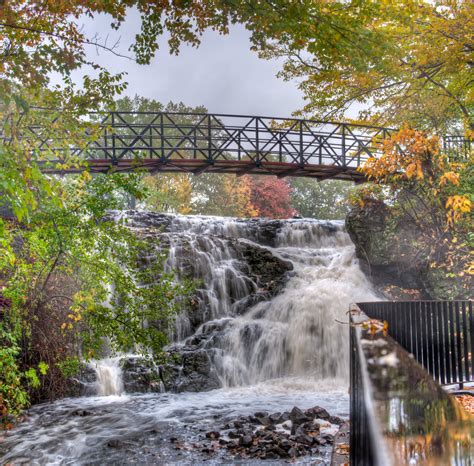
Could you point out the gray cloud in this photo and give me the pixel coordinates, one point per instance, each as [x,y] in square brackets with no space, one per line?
[222,74]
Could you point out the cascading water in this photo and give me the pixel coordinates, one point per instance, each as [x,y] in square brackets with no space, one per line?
[269,316]
[299,332]
[109,376]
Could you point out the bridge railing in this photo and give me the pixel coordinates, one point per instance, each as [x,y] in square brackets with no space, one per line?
[399,413]
[198,142]
[167,135]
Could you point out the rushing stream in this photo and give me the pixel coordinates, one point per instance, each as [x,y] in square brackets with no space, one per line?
[271,342]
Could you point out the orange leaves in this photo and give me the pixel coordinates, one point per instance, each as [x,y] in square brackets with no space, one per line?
[449,177]
[238,192]
[375,326]
[414,170]
[406,156]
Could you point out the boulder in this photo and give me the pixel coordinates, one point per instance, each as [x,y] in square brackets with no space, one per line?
[193,372]
[140,375]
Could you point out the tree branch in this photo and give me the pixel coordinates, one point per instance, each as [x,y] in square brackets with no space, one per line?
[94,43]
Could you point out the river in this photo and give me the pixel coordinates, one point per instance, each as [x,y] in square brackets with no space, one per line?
[290,349]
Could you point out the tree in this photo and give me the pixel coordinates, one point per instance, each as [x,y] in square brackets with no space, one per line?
[322,200]
[271,197]
[430,194]
[169,193]
[406,60]
[60,256]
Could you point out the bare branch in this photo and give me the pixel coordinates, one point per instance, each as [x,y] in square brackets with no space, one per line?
[93,42]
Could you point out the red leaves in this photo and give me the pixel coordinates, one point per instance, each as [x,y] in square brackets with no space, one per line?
[270,196]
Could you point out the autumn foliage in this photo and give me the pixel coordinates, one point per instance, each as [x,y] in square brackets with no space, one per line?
[271,197]
[422,186]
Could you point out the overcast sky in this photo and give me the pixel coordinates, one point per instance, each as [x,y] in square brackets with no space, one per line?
[222,74]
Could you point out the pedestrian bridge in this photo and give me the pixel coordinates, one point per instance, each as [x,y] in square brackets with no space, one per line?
[214,143]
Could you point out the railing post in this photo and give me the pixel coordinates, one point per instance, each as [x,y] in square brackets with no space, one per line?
[257,142]
[344,145]
[209,140]
[301,146]
[114,150]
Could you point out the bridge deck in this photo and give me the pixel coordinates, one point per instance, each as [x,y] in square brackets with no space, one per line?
[196,166]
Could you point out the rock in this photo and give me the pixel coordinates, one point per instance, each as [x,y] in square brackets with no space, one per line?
[140,375]
[81,412]
[321,440]
[297,416]
[336,420]
[264,420]
[293,452]
[388,248]
[245,441]
[84,383]
[195,374]
[114,443]
[317,413]
[275,418]
[254,439]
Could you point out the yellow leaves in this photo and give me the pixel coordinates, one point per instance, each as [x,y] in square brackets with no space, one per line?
[470,268]
[414,170]
[449,177]
[406,156]
[86,176]
[457,206]
[459,203]
[375,326]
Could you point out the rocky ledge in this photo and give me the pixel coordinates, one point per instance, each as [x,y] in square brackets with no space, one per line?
[275,436]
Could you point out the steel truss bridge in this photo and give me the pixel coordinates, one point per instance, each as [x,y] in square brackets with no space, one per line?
[215,143]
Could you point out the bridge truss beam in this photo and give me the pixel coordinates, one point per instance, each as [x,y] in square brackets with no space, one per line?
[213,143]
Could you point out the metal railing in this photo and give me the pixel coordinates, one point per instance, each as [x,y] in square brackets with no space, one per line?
[399,412]
[197,142]
[439,334]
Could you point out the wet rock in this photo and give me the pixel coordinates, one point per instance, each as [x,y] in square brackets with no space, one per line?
[245,441]
[297,416]
[336,420]
[84,383]
[193,373]
[264,420]
[284,417]
[259,436]
[317,413]
[140,375]
[81,412]
[266,269]
[114,443]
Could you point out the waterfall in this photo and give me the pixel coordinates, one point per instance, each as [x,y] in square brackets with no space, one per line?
[267,331]
[109,376]
[249,332]
[299,332]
